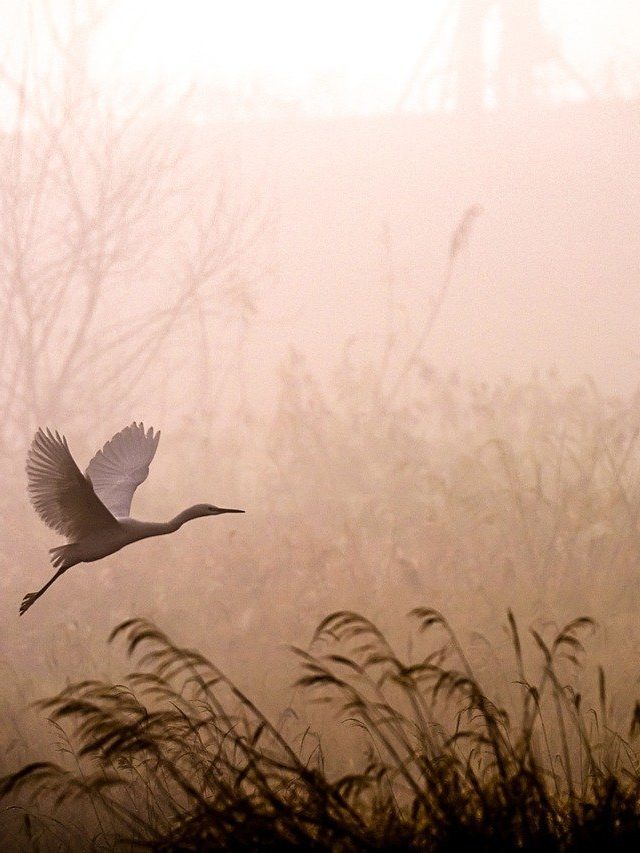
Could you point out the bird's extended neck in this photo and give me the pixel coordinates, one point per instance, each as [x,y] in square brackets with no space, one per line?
[144,529]
[182,517]
[135,529]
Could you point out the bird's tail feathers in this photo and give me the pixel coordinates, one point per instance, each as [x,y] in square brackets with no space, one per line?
[63,557]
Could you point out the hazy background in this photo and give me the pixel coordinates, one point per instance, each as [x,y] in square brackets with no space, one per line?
[372,268]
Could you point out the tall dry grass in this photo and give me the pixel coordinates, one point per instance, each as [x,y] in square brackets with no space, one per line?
[177,757]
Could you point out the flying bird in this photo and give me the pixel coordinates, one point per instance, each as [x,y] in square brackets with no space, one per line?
[92,510]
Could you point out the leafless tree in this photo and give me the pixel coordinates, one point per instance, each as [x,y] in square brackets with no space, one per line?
[108,238]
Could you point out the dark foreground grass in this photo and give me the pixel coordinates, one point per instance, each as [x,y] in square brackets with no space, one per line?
[178,758]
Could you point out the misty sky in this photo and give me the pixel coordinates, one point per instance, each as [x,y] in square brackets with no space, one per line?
[328,57]
[359,53]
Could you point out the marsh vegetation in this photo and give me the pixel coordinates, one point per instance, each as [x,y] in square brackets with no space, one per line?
[508,506]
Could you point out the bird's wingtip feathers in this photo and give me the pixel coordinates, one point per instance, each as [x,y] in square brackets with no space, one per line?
[44,434]
[151,434]
[148,433]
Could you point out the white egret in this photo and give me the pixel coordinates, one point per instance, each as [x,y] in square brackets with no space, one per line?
[92,510]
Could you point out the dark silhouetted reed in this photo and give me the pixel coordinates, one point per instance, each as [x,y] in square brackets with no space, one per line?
[179,758]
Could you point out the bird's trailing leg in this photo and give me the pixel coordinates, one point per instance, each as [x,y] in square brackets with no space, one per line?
[31,597]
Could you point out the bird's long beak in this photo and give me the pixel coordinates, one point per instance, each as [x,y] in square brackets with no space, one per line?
[221,510]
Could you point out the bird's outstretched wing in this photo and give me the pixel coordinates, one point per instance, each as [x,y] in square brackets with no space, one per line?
[123,463]
[61,495]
